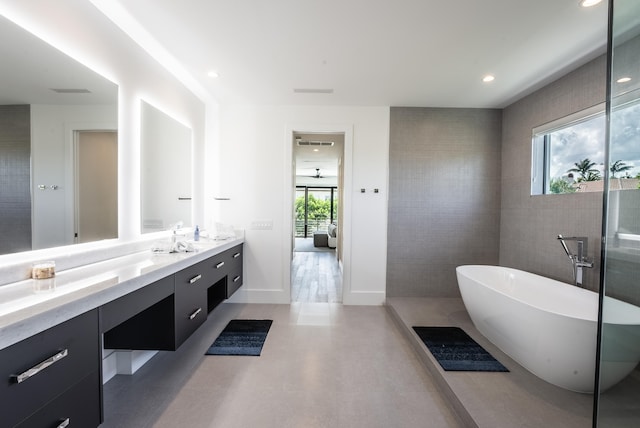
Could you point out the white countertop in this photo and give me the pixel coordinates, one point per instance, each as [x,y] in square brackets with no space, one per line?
[31,306]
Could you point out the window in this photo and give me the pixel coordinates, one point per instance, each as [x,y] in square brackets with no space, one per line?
[568,154]
[315,208]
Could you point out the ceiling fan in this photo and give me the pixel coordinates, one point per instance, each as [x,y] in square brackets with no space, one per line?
[317,174]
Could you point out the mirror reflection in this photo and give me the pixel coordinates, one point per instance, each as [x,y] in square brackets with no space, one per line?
[624,196]
[55,116]
[165,171]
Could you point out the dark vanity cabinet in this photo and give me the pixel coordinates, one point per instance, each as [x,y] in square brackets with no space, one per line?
[162,315]
[53,379]
[234,278]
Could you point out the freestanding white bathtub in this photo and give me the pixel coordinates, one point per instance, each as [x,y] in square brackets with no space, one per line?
[550,327]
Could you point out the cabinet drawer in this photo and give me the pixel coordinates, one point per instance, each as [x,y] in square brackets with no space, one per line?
[77,407]
[191,299]
[234,281]
[41,367]
[234,257]
[193,278]
[218,266]
[191,312]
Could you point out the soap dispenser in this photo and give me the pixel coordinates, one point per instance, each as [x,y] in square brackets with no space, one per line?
[196,233]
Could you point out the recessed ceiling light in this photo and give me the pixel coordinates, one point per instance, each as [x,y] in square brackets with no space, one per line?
[213,74]
[316,150]
[624,80]
[589,3]
[488,78]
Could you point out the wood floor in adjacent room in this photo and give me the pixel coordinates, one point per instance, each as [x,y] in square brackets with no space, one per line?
[316,277]
[322,365]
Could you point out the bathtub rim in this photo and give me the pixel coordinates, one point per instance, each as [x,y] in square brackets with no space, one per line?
[615,311]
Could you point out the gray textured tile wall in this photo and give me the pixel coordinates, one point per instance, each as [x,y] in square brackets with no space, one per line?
[459,191]
[530,224]
[15,179]
[444,197]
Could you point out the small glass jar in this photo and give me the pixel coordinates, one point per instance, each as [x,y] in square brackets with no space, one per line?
[43,270]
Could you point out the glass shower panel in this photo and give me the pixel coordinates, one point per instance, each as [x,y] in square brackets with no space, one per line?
[618,405]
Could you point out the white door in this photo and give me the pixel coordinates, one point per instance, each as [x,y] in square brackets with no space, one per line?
[96,184]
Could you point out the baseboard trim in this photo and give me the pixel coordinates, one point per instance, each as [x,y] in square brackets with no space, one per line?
[260,296]
[364,298]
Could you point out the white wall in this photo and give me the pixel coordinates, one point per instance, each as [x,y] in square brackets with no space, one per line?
[256,174]
[52,164]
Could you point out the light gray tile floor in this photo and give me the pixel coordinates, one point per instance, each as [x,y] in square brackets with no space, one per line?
[323,365]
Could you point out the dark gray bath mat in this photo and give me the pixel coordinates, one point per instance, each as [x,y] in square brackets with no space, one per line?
[456,351]
[241,337]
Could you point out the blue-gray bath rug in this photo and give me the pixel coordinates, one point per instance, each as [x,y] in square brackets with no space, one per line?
[241,337]
[456,351]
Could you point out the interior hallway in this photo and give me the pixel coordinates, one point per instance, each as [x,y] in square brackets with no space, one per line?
[323,365]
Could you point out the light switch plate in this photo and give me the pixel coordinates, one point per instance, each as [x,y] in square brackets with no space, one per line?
[262,225]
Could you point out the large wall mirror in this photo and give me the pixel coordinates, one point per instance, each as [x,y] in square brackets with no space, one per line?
[166,171]
[58,123]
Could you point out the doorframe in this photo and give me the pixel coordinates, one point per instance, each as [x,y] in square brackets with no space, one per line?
[289,199]
[70,129]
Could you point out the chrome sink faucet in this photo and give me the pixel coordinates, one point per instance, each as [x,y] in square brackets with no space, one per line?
[578,260]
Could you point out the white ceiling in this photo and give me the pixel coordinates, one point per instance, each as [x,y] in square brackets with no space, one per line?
[375,52]
[30,68]
[323,158]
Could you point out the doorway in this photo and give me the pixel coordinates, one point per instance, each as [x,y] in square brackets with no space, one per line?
[316,274]
[96,185]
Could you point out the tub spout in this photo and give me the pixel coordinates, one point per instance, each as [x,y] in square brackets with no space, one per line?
[566,250]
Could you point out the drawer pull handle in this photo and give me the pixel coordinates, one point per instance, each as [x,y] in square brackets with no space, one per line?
[236,255]
[194,279]
[43,365]
[219,265]
[64,423]
[236,278]
[195,314]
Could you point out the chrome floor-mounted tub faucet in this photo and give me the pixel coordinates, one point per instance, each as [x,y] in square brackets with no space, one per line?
[579,260]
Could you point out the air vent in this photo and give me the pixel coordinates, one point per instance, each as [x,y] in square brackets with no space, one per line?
[71,91]
[315,143]
[313,91]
